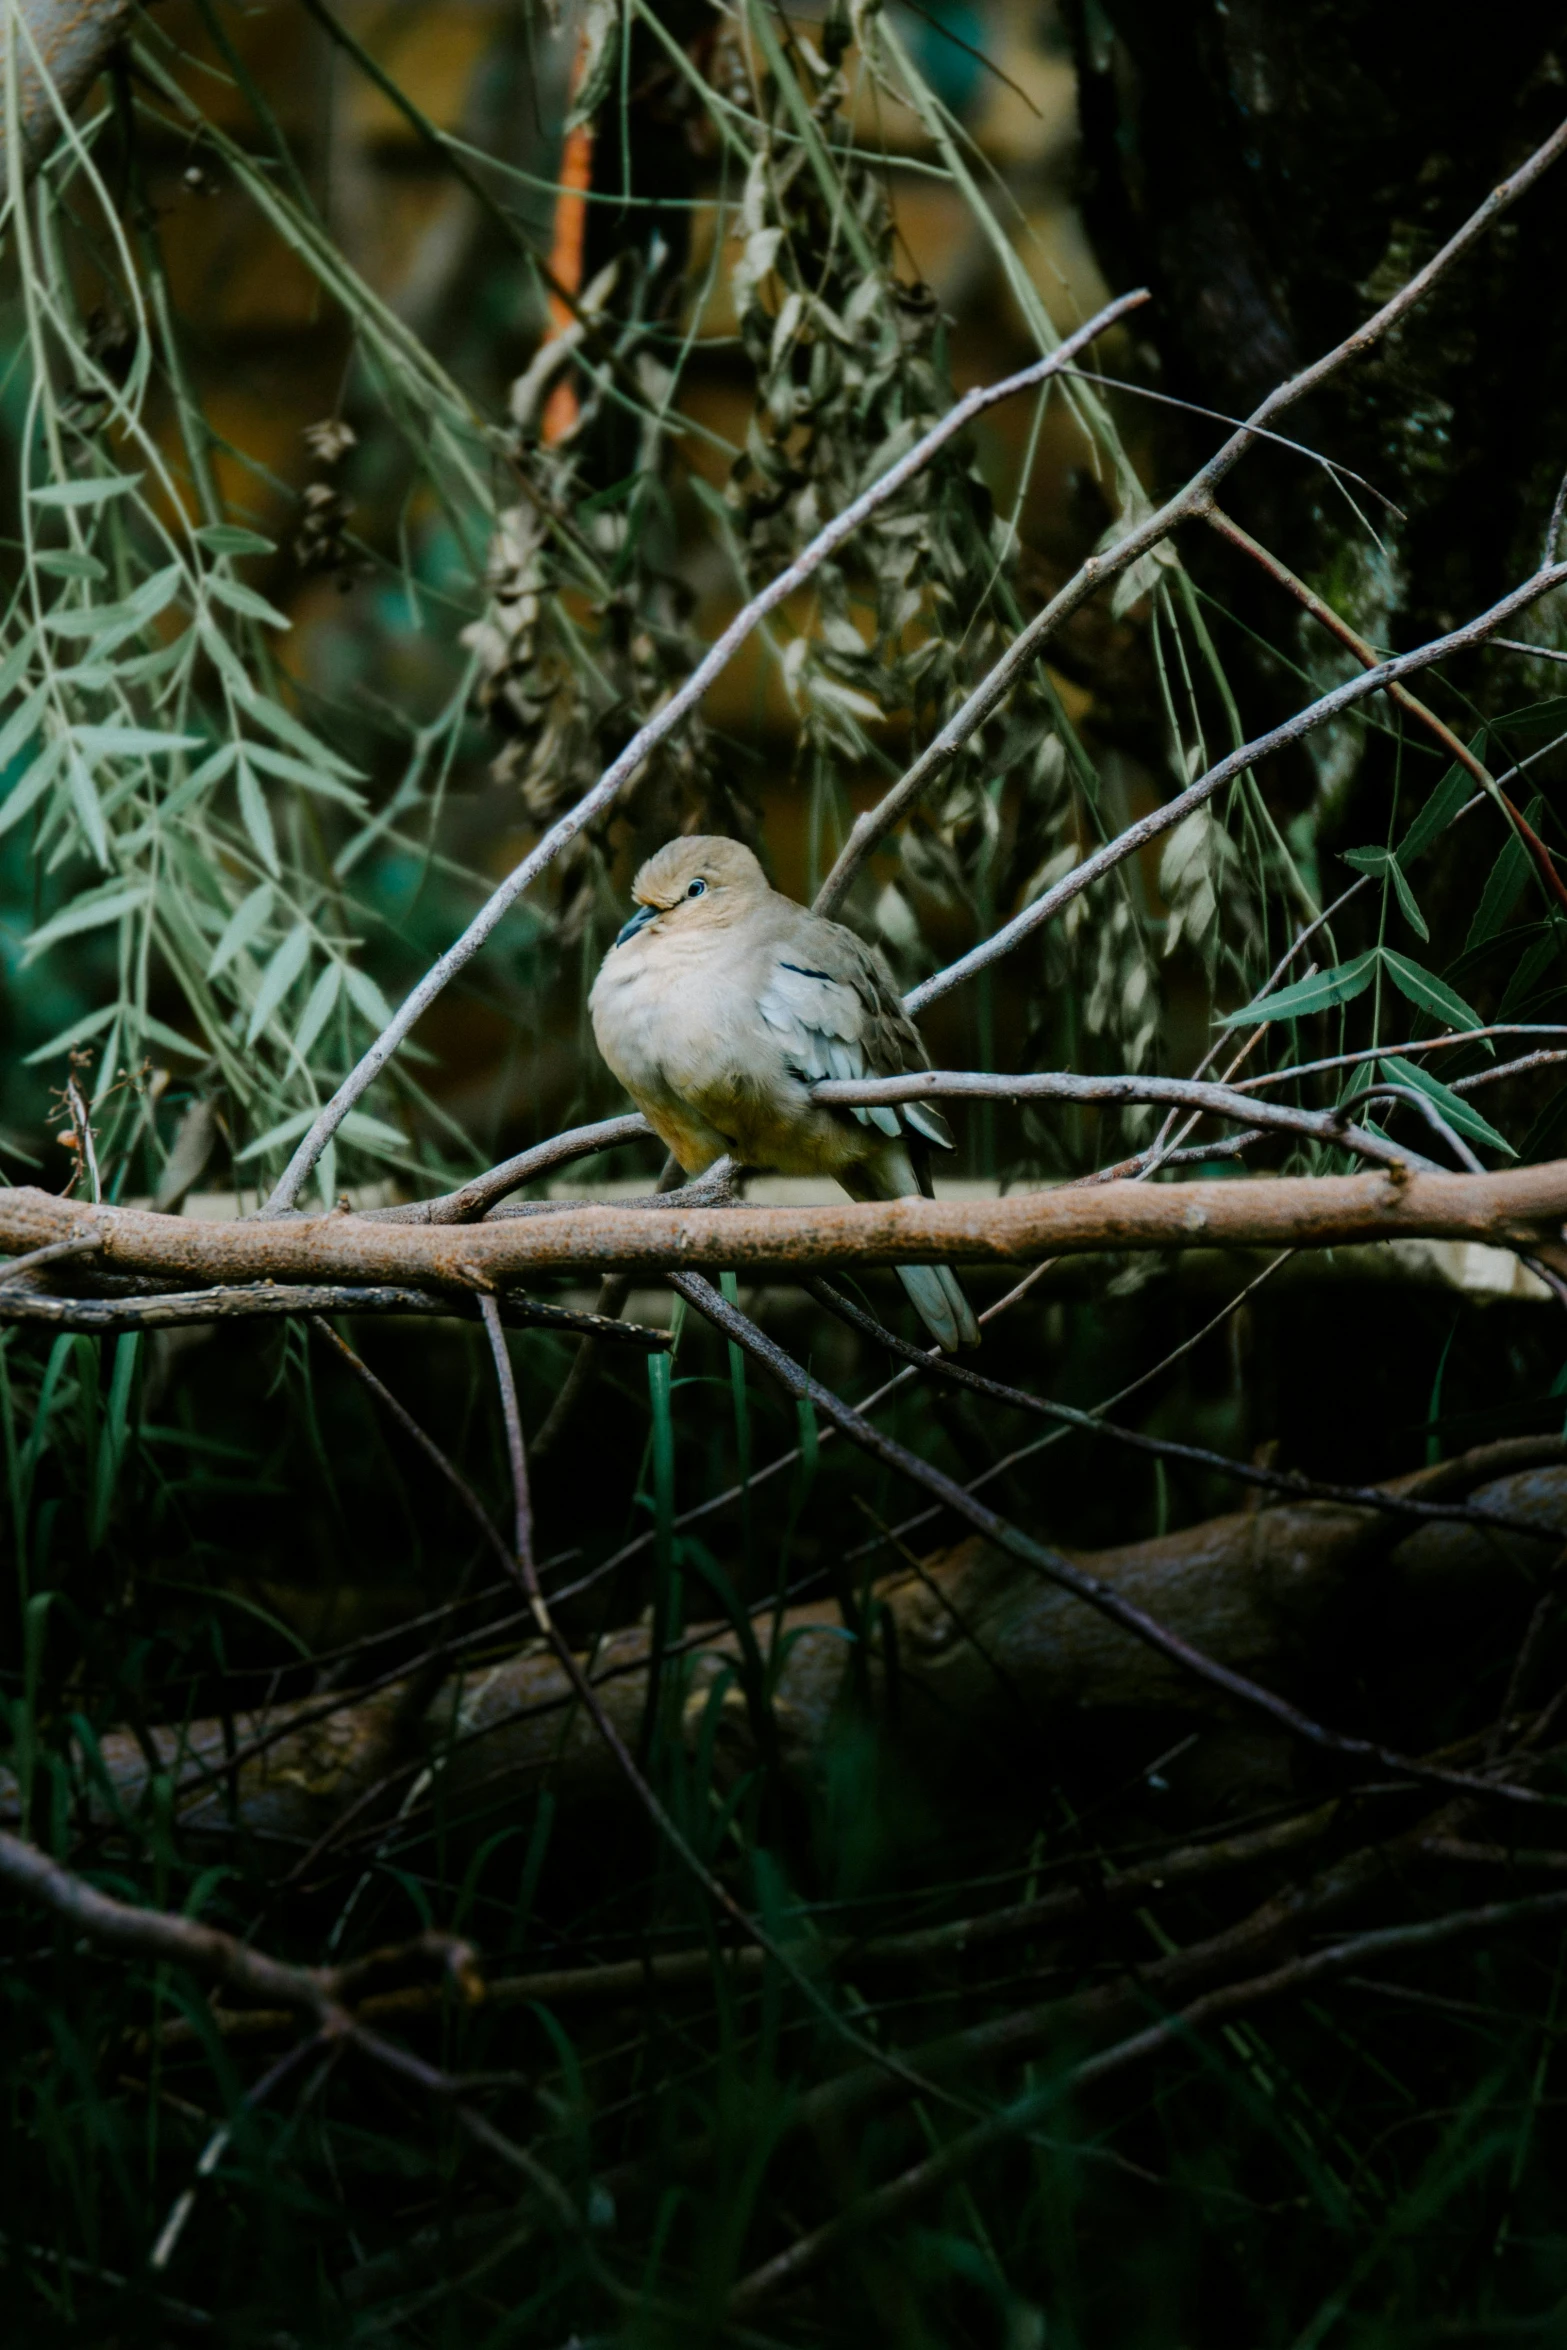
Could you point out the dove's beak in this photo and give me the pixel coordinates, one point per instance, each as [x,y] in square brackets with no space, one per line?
[639,921]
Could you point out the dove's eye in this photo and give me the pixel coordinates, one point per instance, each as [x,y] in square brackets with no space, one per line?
[698,889]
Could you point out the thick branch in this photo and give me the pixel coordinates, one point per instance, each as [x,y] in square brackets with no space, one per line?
[71,40]
[1521,1207]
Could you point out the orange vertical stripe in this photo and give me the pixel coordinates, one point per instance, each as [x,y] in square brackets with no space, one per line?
[571,220]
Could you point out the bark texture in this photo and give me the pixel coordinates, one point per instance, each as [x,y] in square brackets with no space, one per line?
[70,41]
[1523,1207]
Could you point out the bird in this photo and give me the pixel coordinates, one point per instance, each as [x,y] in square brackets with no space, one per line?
[719,1006]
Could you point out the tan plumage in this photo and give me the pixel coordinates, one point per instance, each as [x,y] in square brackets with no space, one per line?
[722,1002]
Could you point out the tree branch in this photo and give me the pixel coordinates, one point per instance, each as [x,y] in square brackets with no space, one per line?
[60,47]
[319,1994]
[184,1309]
[1306,597]
[1060,1085]
[1521,1207]
[1173,812]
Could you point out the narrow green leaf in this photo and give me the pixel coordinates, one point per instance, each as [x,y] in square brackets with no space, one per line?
[286,1130]
[91,620]
[360,1127]
[1406,898]
[1456,787]
[119,620]
[21,724]
[14,667]
[296,771]
[279,976]
[159,1032]
[1317,994]
[318,1006]
[1536,717]
[1384,866]
[231,538]
[286,727]
[223,657]
[95,492]
[78,1033]
[32,785]
[245,600]
[256,817]
[243,925]
[1454,1108]
[159,591]
[210,771]
[124,742]
[367,997]
[1532,968]
[1430,993]
[84,799]
[88,913]
[1501,893]
[58,563]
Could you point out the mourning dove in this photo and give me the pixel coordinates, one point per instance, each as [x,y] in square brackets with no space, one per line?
[721,1004]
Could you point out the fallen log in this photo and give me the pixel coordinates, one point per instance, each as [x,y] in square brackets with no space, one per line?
[980,1649]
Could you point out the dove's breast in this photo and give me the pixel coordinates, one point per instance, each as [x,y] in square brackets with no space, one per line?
[673,1021]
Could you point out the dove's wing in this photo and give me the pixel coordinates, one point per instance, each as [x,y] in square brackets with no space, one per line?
[831,1002]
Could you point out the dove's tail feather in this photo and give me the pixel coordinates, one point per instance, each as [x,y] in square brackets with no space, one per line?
[932,1289]
[941,1305]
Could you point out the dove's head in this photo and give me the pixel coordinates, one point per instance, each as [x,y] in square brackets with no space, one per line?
[700,880]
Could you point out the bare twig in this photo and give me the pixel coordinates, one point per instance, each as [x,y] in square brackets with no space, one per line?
[473,1200]
[1242,540]
[55,1253]
[81,1140]
[1059,1085]
[1285,1481]
[318,1994]
[1164,819]
[1512,644]
[182,1309]
[1416,1044]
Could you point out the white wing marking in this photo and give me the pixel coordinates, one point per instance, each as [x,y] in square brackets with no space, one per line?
[822,1025]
